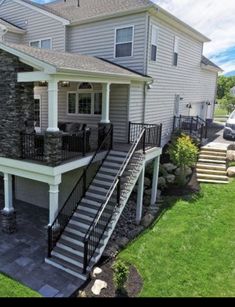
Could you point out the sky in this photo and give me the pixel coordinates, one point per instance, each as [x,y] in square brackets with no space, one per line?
[213,18]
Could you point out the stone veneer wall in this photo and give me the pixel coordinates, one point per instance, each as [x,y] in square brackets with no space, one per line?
[16,105]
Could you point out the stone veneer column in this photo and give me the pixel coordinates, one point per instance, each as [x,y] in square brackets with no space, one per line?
[53,148]
[16,105]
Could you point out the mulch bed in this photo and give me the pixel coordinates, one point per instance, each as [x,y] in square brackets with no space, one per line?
[133,287]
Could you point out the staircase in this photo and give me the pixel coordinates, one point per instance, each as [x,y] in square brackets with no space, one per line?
[76,242]
[212,164]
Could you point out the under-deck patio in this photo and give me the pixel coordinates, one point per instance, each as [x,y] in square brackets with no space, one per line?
[22,254]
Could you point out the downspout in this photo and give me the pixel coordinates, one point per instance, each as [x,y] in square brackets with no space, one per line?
[146,65]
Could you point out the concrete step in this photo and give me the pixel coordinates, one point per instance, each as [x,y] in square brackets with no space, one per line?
[118,153]
[214,153]
[211,157]
[211,166]
[214,149]
[212,181]
[211,161]
[115,159]
[212,177]
[211,171]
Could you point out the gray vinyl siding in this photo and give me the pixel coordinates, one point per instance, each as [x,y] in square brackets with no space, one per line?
[98,38]
[13,38]
[38,25]
[119,96]
[186,79]
[136,107]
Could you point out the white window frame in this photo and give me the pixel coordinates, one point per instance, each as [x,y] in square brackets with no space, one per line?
[157,30]
[38,97]
[76,103]
[176,49]
[40,42]
[132,41]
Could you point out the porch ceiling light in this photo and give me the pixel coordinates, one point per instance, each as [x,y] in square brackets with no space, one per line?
[43,83]
[65,84]
[208,103]
[189,106]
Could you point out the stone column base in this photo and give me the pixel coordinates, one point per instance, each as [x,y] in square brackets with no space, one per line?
[8,220]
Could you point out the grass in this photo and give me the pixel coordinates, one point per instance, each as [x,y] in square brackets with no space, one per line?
[10,288]
[219,111]
[189,252]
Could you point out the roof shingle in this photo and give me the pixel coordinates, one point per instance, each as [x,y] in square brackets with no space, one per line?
[207,62]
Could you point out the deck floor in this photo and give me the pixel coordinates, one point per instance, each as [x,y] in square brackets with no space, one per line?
[22,254]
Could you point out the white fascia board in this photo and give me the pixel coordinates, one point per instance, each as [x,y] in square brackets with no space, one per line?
[16,31]
[44,12]
[153,153]
[211,68]
[33,76]
[32,61]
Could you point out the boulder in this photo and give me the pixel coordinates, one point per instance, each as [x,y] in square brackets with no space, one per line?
[231,155]
[161,182]
[122,242]
[111,251]
[231,171]
[147,182]
[149,170]
[147,220]
[169,167]
[170,178]
[135,232]
[188,171]
[98,286]
[96,271]
[148,192]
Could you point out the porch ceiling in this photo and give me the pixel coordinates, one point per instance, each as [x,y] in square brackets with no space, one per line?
[53,63]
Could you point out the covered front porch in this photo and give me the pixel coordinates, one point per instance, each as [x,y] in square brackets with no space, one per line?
[22,254]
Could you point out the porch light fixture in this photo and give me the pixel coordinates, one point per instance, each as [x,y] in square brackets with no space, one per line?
[189,106]
[43,83]
[65,84]
[208,103]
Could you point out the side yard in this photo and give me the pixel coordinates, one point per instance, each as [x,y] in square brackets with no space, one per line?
[189,251]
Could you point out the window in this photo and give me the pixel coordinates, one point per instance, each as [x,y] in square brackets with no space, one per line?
[84,103]
[154,43]
[176,51]
[43,44]
[72,102]
[97,103]
[124,42]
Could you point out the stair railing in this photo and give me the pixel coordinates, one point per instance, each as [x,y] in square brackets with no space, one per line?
[62,219]
[104,215]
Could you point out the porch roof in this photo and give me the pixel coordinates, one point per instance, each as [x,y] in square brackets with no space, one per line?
[11,27]
[53,62]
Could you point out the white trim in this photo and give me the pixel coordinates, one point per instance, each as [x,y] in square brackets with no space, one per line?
[40,43]
[127,42]
[154,27]
[76,104]
[39,97]
[42,11]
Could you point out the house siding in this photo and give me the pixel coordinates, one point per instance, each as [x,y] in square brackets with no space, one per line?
[136,107]
[37,25]
[13,38]
[187,79]
[98,38]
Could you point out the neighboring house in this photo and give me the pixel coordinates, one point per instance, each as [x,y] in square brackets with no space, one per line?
[232,91]
[69,70]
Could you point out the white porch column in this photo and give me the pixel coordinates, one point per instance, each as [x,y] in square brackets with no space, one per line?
[53,202]
[155,181]
[53,106]
[8,195]
[105,103]
[140,196]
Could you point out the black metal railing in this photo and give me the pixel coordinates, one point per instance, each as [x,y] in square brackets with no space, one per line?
[71,204]
[32,147]
[192,125]
[113,199]
[153,133]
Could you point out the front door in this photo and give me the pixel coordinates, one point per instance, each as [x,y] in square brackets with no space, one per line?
[37,112]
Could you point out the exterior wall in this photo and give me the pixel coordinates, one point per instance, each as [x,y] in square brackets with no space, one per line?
[38,25]
[136,108]
[98,38]
[119,96]
[13,38]
[187,79]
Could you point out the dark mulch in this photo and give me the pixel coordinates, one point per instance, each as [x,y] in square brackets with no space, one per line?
[192,187]
[133,287]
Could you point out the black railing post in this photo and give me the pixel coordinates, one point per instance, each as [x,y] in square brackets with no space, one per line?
[119,191]
[206,130]
[174,120]
[144,141]
[84,143]
[180,122]
[129,133]
[84,182]
[111,138]
[191,126]
[160,136]
[49,233]
[85,262]
[197,123]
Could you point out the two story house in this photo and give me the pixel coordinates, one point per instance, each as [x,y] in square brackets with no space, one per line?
[89,91]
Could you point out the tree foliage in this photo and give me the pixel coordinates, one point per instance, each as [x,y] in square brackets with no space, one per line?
[228,103]
[183,153]
[224,86]
[121,272]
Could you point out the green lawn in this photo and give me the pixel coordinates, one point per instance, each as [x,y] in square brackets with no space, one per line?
[189,252]
[219,111]
[10,288]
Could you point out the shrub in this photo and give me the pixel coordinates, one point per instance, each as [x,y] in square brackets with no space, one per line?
[183,153]
[121,272]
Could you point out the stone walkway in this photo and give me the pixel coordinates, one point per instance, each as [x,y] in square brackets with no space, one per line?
[22,255]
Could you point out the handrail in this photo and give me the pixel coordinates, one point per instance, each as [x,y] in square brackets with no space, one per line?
[82,177]
[108,196]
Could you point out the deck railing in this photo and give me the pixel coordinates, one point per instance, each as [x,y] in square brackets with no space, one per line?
[153,134]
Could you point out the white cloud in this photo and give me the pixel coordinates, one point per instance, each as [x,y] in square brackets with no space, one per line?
[214,18]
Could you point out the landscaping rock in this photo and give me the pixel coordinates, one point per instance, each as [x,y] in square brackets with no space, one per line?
[122,242]
[147,220]
[96,272]
[231,155]
[169,167]
[161,182]
[149,170]
[111,251]
[170,178]
[147,182]
[188,171]
[148,192]
[98,286]
[159,193]
[231,171]
[147,200]
[135,232]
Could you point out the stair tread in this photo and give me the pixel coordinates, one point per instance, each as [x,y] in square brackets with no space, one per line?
[212,161]
[212,176]
[212,181]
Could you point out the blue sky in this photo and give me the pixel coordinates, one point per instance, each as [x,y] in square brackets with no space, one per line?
[214,18]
